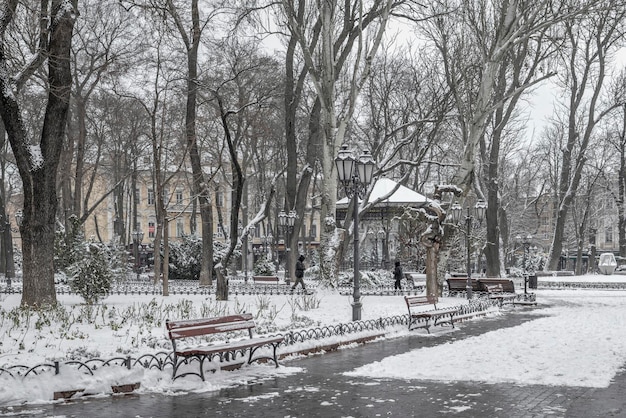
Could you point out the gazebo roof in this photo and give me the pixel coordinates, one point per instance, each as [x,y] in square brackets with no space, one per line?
[401,197]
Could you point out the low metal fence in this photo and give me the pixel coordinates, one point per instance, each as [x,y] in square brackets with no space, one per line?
[162,360]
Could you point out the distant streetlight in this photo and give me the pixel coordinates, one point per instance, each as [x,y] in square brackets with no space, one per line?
[381,254]
[525,242]
[355,175]
[137,238]
[286,222]
[479,212]
[244,244]
[19,218]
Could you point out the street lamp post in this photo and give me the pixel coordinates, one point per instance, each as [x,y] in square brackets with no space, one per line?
[269,238]
[286,222]
[374,240]
[479,212]
[19,218]
[381,254]
[526,244]
[244,244]
[355,175]
[137,238]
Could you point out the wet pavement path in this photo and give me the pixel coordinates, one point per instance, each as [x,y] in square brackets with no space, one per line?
[323,391]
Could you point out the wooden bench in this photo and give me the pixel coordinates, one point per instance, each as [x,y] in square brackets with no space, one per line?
[224,350]
[416,305]
[416,279]
[458,284]
[265,279]
[507,285]
[496,292]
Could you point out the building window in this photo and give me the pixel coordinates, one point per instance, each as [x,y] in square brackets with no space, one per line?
[179,196]
[313,231]
[608,235]
[151,196]
[219,199]
[180,228]
[151,229]
[137,195]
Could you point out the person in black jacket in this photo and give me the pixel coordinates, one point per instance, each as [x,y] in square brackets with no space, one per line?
[397,276]
[299,273]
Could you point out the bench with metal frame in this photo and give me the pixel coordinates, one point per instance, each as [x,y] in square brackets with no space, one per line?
[459,284]
[225,351]
[425,308]
[265,279]
[496,292]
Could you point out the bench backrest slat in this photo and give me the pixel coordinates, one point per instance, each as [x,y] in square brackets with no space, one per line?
[496,288]
[197,327]
[412,301]
[507,285]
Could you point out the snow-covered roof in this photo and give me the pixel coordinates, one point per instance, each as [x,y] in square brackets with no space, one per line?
[401,197]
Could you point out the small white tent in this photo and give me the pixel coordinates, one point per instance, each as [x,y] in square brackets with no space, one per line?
[607,264]
[402,197]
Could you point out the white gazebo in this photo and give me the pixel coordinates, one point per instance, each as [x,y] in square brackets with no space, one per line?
[402,197]
[390,200]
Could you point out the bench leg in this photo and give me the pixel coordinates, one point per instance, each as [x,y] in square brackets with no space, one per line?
[175,368]
[202,367]
[274,357]
[185,360]
[451,320]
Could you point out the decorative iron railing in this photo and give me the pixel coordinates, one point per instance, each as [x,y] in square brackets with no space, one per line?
[555,284]
[239,286]
[161,360]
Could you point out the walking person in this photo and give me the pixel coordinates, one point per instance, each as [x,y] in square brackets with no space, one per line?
[397,276]
[299,273]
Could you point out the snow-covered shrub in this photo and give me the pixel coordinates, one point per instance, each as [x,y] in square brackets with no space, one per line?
[65,243]
[185,258]
[91,276]
[264,267]
[186,255]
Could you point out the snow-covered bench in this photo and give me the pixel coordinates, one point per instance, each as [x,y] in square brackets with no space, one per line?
[496,292]
[265,279]
[228,350]
[424,308]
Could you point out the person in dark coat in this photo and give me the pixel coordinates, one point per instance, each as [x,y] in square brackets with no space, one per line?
[397,276]
[299,273]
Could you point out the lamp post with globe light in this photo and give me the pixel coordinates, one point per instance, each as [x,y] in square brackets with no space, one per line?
[479,213]
[137,238]
[525,242]
[286,222]
[355,175]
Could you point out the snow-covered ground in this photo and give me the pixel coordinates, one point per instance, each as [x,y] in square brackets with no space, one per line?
[578,339]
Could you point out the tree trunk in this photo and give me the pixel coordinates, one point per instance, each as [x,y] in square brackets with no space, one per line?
[39,176]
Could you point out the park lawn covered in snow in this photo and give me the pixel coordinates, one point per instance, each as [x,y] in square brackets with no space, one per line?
[580,340]
[577,339]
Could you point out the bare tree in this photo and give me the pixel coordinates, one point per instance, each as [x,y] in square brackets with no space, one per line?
[38,161]
[590,42]
[103,48]
[242,93]
[349,34]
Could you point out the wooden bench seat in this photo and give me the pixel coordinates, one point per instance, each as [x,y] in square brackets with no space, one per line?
[507,285]
[425,308]
[265,279]
[496,292]
[459,284]
[225,351]
[415,279]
